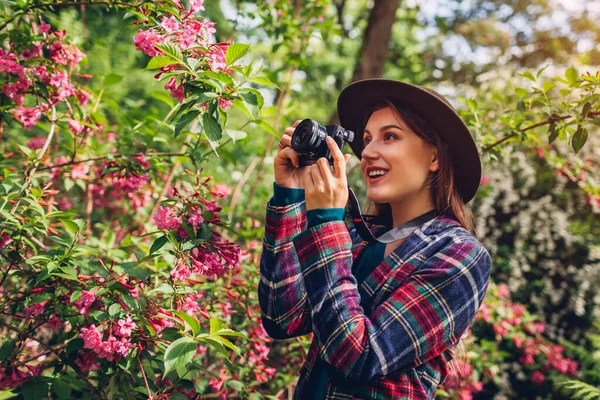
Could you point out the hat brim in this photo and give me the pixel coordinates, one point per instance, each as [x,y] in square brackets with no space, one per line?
[357,97]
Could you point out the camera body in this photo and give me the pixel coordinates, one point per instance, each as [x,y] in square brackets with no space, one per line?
[308,140]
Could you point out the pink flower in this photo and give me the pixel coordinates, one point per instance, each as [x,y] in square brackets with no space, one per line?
[500,329]
[54,323]
[176,91]
[190,305]
[503,291]
[537,377]
[196,5]
[196,218]
[4,240]
[164,219]
[124,327]
[44,27]
[146,40]
[36,143]
[181,272]
[83,97]
[170,24]
[34,310]
[85,302]
[216,56]
[91,337]
[80,171]
[225,104]
[31,52]
[75,126]
[28,117]
[86,363]
[220,190]
[484,180]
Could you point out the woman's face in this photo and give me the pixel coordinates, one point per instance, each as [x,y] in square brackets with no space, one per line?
[406,159]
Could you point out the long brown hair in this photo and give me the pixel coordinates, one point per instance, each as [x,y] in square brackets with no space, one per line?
[445,197]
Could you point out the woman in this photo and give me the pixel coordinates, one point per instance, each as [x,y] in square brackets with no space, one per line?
[386,318]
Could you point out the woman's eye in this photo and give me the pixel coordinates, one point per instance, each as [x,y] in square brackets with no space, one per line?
[388,135]
[366,140]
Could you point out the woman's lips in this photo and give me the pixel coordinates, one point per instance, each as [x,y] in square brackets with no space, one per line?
[377,178]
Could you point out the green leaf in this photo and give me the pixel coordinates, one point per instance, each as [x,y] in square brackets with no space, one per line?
[215,325]
[586,109]
[225,342]
[235,52]
[61,388]
[162,96]
[579,138]
[6,350]
[521,92]
[70,225]
[7,394]
[35,389]
[212,128]
[235,135]
[539,73]
[114,309]
[547,86]
[217,345]
[158,244]
[528,75]
[171,50]
[255,68]
[267,127]
[192,63]
[179,353]
[261,80]
[75,296]
[159,61]
[253,97]
[185,120]
[189,320]
[230,332]
[112,79]
[235,385]
[162,288]
[572,75]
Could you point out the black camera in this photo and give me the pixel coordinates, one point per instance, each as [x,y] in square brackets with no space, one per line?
[308,140]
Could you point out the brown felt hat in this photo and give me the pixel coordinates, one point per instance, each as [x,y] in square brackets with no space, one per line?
[357,97]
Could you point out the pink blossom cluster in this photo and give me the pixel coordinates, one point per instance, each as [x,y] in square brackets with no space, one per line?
[460,380]
[215,258]
[111,349]
[85,302]
[192,37]
[16,377]
[48,73]
[159,320]
[34,310]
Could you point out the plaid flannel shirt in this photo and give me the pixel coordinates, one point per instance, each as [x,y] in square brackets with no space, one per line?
[422,298]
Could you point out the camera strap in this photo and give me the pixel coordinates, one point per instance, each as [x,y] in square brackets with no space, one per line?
[397,233]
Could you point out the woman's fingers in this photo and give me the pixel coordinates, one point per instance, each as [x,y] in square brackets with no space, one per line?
[339,161]
[325,173]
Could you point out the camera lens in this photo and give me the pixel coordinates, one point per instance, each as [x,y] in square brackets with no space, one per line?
[307,137]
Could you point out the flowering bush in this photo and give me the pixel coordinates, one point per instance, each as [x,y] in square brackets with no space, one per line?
[508,355]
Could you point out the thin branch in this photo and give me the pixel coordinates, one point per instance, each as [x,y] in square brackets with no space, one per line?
[166,154]
[145,379]
[546,122]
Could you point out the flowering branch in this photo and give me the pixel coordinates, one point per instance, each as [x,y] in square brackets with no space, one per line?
[546,122]
[166,154]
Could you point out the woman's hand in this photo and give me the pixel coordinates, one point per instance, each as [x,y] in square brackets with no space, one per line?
[287,168]
[324,188]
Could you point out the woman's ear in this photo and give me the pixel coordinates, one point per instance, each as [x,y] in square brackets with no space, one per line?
[434,165]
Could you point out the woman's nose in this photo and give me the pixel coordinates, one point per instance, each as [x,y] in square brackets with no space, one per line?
[370,151]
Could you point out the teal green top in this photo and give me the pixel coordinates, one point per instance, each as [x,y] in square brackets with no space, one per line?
[370,258]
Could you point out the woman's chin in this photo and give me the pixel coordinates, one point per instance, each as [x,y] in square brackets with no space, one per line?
[377,197]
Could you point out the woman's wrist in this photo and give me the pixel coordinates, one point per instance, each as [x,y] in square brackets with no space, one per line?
[321,215]
[283,196]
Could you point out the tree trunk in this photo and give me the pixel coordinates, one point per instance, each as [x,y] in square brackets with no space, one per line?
[376,38]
